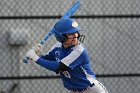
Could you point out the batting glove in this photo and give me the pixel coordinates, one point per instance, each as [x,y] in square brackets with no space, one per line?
[38,48]
[31,54]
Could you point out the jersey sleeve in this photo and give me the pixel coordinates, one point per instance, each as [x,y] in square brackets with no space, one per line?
[50,65]
[48,56]
[75,58]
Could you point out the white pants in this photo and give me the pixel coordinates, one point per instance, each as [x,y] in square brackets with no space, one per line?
[97,88]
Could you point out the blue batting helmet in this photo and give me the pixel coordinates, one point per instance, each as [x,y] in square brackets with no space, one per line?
[65,26]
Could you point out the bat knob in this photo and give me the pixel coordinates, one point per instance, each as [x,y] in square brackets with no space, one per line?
[25,60]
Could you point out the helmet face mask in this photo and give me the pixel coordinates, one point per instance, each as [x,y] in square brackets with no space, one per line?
[65,26]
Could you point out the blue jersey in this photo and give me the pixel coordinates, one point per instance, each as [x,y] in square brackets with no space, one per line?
[80,74]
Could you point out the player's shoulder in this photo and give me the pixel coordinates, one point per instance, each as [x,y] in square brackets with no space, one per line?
[79,48]
[56,45]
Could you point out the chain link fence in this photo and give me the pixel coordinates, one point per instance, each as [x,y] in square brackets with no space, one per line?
[112,40]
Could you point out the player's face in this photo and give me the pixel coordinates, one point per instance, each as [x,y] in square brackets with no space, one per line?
[72,39]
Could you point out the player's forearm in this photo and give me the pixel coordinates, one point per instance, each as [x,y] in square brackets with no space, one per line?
[50,65]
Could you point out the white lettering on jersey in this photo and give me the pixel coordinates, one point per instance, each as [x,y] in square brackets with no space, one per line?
[66,74]
[57,54]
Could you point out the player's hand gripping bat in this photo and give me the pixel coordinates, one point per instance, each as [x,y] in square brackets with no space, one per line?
[67,14]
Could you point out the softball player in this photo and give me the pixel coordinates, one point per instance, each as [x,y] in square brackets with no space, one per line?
[69,58]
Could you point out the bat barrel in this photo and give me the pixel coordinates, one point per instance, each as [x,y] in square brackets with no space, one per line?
[72,10]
